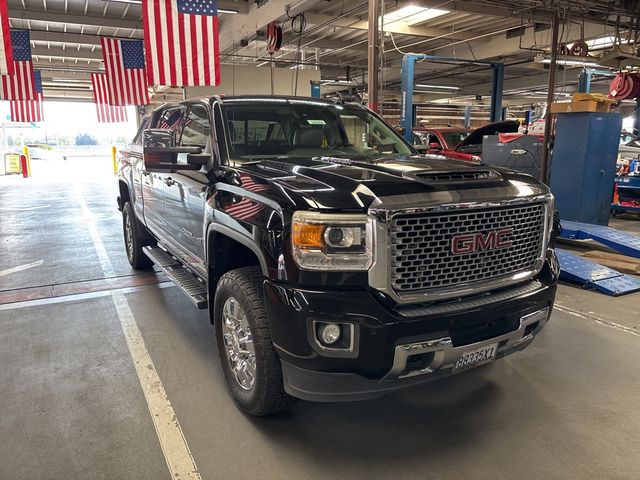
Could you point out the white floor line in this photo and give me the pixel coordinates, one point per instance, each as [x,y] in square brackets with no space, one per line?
[23,209]
[597,319]
[174,446]
[103,256]
[172,441]
[20,268]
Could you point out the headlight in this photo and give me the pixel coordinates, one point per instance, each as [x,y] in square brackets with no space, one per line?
[324,241]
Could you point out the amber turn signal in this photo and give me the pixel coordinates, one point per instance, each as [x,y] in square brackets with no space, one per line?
[307,235]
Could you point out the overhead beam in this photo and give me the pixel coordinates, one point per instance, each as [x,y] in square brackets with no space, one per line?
[500,46]
[66,53]
[68,38]
[52,16]
[398,27]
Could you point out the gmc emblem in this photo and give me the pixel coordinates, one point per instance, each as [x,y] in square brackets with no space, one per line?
[476,242]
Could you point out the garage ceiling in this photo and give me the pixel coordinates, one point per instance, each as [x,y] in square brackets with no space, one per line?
[66,38]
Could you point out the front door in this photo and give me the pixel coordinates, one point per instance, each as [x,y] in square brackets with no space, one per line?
[185,191]
[155,183]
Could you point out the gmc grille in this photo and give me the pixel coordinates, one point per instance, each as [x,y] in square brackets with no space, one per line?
[421,256]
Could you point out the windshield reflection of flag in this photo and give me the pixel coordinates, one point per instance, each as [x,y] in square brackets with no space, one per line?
[247,208]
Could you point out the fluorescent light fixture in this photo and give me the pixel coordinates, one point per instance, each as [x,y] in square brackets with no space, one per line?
[602,42]
[437,87]
[230,11]
[338,82]
[568,61]
[413,14]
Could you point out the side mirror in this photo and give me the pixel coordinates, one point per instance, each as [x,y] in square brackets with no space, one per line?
[435,146]
[161,154]
[158,138]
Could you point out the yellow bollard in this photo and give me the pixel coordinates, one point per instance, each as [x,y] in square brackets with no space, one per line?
[113,159]
[25,150]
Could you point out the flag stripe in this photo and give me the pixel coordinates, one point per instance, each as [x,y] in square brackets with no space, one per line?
[181,39]
[27,110]
[6,53]
[18,86]
[125,72]
[106,112]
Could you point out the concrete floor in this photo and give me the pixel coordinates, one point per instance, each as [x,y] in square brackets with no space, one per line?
[73,407]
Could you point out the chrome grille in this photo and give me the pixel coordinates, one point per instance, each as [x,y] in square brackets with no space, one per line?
[421,256]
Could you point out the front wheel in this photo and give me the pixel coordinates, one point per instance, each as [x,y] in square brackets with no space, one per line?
[251,366]
[132,240]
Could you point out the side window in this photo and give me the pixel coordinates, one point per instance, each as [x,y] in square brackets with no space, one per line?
[433,138]
[197,127]
[171,119]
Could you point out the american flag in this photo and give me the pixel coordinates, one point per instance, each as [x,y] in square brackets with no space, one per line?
[247,208]
[29,110]
[107,113]
[181,40]
[124,64]
[20,85]
[172,122]
[6,55]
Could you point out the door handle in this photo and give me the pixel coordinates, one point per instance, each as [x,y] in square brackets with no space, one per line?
[146,174]
[169,181]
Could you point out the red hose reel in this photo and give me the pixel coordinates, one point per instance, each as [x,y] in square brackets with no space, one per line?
[274,37]
[624,86]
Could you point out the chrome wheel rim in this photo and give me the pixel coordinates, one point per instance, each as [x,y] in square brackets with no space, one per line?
[128,233]
[238,344]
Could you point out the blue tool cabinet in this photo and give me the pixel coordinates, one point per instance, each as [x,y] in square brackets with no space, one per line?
[584,165]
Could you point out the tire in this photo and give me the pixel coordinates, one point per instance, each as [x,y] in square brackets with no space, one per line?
[133,242]
[240,292]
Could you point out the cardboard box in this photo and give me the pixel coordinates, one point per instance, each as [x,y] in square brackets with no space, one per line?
[557,107]
[590,106]
[581,106]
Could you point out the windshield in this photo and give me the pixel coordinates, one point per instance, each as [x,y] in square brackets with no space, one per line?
[283,128]
[454,138]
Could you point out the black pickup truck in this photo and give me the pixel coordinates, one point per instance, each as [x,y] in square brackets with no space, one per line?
[335,262]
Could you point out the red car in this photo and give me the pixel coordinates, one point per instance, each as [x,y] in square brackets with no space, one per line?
[469,147]
[437,139]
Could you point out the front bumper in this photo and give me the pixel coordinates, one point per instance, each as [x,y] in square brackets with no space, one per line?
[335,387]
[395,349]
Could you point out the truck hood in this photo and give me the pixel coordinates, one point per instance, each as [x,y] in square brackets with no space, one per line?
[326,183]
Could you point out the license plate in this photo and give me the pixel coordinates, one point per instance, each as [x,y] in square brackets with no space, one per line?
[476,357]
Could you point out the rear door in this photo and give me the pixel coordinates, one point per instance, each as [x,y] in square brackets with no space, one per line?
[185,190]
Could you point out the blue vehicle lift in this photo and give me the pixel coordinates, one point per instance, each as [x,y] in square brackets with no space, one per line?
[590,274]
[407,114]
[625,243]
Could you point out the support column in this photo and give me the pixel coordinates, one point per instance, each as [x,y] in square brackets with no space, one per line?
[497,86]
[406,99]
[373,54]
[636,117]
[467,116]
[544,171]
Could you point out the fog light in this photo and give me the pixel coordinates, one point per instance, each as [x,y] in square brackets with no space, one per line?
[330,333]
